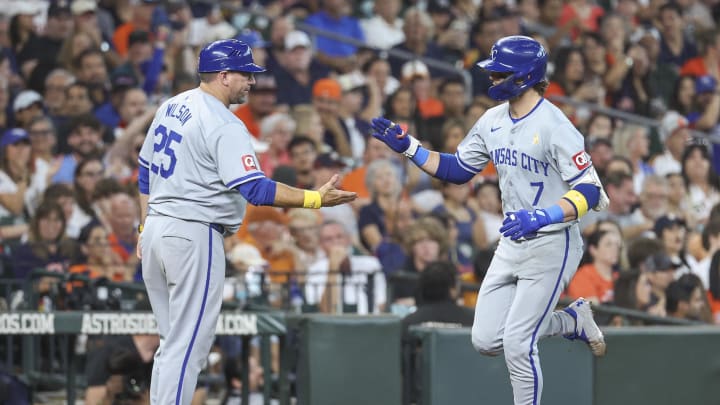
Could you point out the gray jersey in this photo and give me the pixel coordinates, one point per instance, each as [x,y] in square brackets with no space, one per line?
[538,157]
[197,152]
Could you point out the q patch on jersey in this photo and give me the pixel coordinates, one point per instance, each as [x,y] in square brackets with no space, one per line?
[581,160]
[248,162]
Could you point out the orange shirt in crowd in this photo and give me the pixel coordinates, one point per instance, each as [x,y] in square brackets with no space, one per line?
[279,264]
[243,112]
[430,107]
[355,181]
[121,38]
[469,297]
[589,283]
[714,307]
[589,23]
[694,67]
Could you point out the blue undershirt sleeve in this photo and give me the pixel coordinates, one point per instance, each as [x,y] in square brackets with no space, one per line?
[450,170]
[144,179]
[259,191]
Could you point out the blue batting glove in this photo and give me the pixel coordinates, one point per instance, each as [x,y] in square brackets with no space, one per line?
[524,223]
[388,132]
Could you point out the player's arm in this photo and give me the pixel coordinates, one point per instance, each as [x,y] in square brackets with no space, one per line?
[263,191]
[586,193]
[443,166]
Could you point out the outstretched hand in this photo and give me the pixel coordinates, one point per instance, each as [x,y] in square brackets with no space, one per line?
[331,196]
[391,134]
[524,223]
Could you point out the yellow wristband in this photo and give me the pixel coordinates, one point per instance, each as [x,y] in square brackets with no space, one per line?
[312,199]
[140,228]
[578,200]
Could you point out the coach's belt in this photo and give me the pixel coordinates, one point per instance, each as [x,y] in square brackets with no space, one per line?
[218,228]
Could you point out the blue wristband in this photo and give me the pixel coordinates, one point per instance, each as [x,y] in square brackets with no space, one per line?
[421,156]
[555,214]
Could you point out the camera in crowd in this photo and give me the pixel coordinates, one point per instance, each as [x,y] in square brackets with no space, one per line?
[129,383]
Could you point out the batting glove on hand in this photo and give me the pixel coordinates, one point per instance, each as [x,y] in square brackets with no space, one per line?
[524,223]
[389,132]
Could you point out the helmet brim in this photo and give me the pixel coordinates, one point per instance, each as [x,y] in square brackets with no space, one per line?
[252,68]
[494,66]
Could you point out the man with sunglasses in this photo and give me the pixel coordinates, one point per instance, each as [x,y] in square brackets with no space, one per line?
[547,182]
[198,170]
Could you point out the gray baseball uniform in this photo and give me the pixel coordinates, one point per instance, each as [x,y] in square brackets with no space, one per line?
[538,159]
[197,151]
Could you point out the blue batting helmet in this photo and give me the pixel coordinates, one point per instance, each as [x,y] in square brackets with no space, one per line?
[227,54]
[521,56]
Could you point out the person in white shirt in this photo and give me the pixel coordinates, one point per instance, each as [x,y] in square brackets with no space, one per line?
[343,268]
[384,30]
[675,134]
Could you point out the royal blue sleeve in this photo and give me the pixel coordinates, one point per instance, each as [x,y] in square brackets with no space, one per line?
[144,179]
[260,191]
[449,169]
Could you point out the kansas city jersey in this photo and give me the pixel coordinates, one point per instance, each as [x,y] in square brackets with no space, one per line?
[538,157]
[197,151]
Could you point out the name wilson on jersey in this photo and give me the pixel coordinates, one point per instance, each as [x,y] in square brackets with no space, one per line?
[182,113]
[509,157]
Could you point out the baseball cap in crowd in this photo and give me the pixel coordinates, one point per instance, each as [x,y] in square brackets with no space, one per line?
[659,261]
[413,69]
[13,136]
[705,84]
[294,39]
[665,222]
[246,254]
[329,161]
[122,80]
[252,38]
[59,8]
[351,81]
[138,36]
[264,82]
[439,7]
[25,99]
[328,88]
[83,6]
[643,32]
[670,123]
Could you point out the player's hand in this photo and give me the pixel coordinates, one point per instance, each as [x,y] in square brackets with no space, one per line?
[390,133]
[523,223]
[331,196]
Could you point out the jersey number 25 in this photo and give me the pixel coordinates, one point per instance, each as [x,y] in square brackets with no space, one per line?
[165,146]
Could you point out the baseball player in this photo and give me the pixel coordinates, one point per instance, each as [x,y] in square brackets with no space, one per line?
[547,183]
[198,171]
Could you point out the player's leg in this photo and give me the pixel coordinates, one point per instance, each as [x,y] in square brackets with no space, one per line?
[157,289]
[493,302]
[541,278]
[193,255]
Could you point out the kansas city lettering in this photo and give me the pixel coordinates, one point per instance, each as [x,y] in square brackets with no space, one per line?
[512,157]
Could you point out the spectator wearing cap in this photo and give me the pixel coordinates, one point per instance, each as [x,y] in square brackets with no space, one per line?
[55,84]
[142,18]
[416,76]
[145,58]
[418,30]
[120,82]
[647,255]
[326,97]
[674,134]
[27,105]
[21,183]
[335,16]
[261,102]
[44,48]
[675,48]
[266,228]
[276,131]
[298,70]
[383,29]
[706,108]
[360,102]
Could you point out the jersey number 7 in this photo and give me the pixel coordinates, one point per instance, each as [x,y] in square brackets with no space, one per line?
[165,145]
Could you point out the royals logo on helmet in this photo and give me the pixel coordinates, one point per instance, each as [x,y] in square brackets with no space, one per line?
[248,162]
[581,160]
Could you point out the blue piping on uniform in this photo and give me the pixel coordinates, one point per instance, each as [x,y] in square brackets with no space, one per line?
[537,328]
[197,324]
[239,180]
[577,176]
[466,166]
[143,162]
[516,120]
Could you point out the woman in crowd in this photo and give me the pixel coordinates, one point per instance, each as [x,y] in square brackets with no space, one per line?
[87,174]
[383,183]
[702,183]
[594,278]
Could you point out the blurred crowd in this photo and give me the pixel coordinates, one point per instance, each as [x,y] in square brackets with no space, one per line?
[81,80]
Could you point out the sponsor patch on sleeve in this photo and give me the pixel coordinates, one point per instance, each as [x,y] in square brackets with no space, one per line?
[581,160]
[248,162]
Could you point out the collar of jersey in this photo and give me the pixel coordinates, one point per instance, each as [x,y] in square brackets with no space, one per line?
[516,120]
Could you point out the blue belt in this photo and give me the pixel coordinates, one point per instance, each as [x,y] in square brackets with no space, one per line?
[218,228]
